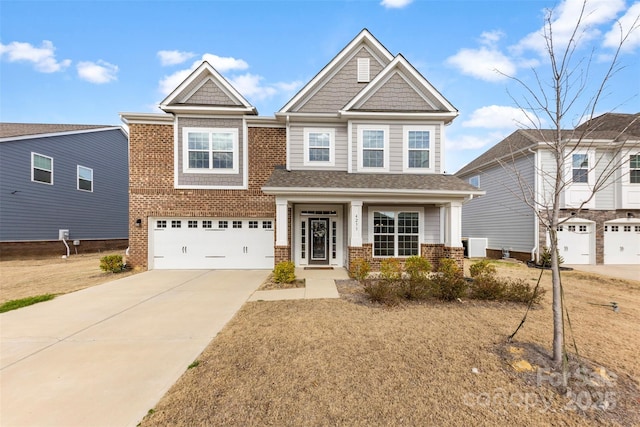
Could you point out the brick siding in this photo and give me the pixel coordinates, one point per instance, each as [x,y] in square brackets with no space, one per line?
[432,252]
[152,193]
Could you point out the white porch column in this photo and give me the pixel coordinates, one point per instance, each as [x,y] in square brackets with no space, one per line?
[356,223]
[282,222]
[453,236]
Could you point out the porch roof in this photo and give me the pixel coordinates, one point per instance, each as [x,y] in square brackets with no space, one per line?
[284,181]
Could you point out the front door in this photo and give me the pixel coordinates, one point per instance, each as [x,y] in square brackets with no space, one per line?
[319,248]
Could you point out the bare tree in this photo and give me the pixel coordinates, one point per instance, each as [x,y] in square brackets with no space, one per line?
[563,92]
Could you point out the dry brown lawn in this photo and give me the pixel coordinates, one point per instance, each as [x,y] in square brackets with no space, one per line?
[55,275]
[341,362]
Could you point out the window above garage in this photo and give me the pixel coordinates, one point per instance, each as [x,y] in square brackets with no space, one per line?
[210,150]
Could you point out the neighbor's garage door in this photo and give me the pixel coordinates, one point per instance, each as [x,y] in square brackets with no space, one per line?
[622,242]
[211,243]
[574,242]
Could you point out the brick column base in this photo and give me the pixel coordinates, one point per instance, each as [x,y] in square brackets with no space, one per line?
[432,252]
[281,253]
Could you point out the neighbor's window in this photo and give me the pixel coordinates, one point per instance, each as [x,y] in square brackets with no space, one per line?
[319,147]
[396,234]
[210,150]
[373,147]
[580,168]
[634,169]
[475,181]
[85,178]
[41,168]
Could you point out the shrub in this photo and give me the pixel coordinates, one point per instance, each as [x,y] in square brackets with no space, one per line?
[485,285]
[390,270]
[482,268]
[417,285]
[284,272]
[449,284]
[518,290]
[382,291]
[112,263]
[359,269]
[545,257]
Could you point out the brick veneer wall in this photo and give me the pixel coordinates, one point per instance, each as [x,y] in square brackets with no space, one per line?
[432,252]
[151,191]
[599,217]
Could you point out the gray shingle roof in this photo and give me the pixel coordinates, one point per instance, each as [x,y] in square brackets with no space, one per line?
[313,179]
[8,130]
[609,126]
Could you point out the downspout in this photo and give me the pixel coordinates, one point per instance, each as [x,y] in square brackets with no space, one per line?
[536,222]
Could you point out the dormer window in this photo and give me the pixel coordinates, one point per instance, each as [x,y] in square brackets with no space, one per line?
[363,70]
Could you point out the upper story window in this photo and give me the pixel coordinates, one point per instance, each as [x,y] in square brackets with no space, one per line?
[210,150]
[319,147]
[580,168]
[475,181]
[634,168]
[373,148]
[41,168]
[85,178]
[417,144]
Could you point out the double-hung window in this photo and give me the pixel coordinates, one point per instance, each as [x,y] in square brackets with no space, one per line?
[41,168]
[319,147]
[373,148]
[396,233]
[85,178]
[580,168]
[634,169]
[417,144]
[210,150]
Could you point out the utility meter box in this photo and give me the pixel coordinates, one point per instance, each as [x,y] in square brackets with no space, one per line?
[63,234]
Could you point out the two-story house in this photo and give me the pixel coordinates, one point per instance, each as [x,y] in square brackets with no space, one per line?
[519,172]
[63,188]
[351,167]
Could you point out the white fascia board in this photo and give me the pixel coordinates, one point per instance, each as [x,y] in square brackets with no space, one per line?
[72,132]
[308,116]
[368,191]
[372,198]
[364,35]
[147,118]
[198,109]
[439,116]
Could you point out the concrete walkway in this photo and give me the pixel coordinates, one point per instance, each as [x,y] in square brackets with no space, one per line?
[105,355]
[620,271]
[318,284]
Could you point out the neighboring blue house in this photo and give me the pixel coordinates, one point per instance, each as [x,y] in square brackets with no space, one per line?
[62,177]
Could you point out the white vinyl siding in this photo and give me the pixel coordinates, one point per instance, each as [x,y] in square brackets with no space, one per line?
[41,168]
[85,178]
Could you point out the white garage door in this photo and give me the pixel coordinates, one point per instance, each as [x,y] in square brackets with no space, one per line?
[211,243]
[574,242]
[622,242]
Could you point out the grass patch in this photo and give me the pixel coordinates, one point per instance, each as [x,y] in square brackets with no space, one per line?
[24,302]
[193,364]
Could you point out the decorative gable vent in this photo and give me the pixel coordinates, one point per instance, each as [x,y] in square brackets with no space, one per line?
[363,70]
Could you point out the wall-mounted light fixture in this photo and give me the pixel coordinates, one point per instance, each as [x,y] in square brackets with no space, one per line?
[138,222]
[630,215]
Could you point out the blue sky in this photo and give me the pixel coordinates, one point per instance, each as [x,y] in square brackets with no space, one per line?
[86,61]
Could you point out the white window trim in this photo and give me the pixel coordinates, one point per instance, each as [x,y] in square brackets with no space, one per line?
[385,148]
[332,146]
[626,169]
[591,170]
[396,210]
[78,178]
[405,148]
[33,154]
[210,170]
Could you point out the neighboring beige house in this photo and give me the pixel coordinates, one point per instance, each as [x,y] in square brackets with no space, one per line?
[607,228]
[351,167]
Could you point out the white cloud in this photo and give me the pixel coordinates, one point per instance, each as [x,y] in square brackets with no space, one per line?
[490,38]
[628,22]
[485,63]
[472,141]
[500,117]
[97,72]
[170,82]
[223,64]
[174,57]
[395,4]
[43,57]
[563,22]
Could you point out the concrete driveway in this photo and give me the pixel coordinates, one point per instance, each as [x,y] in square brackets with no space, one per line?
[106,355]
[620,271]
